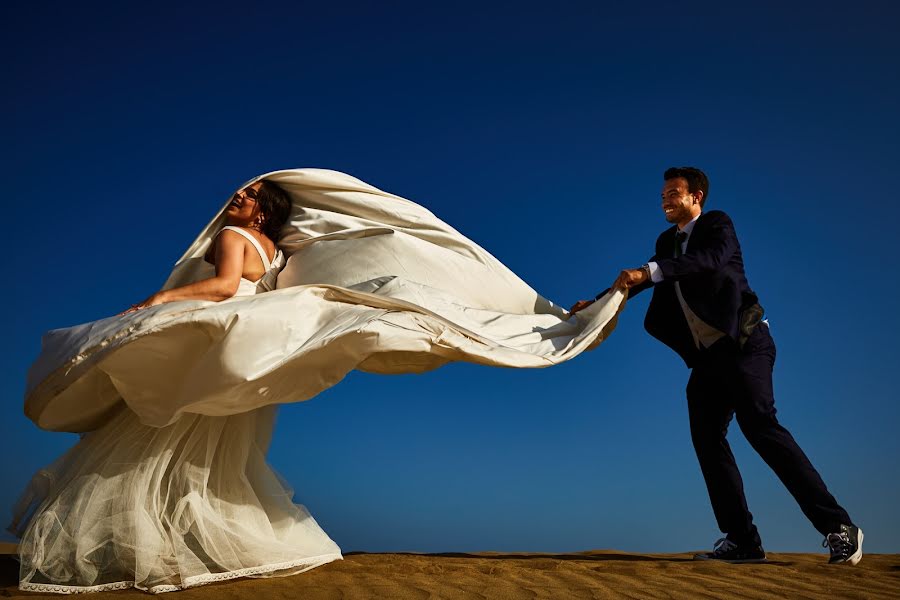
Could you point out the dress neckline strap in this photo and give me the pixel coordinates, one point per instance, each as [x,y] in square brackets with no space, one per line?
[262,253]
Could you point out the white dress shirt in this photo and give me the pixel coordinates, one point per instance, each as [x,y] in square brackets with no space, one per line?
[704,334]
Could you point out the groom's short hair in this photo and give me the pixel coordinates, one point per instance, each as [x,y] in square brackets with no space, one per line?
[696,179]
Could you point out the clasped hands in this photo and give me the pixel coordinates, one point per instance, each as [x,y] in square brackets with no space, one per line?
[627,279]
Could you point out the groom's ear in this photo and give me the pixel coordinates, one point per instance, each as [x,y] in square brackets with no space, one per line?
[698,197]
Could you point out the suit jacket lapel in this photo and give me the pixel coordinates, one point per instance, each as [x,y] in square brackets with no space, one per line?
[699,230]
[668,249]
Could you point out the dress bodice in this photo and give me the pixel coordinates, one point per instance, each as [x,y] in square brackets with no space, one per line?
[267,281]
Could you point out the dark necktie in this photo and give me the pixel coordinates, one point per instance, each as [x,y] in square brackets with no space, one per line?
[680,236]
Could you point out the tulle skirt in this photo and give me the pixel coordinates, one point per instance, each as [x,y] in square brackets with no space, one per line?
[162,509]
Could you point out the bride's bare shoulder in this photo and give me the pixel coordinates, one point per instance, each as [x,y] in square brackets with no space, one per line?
[210,255]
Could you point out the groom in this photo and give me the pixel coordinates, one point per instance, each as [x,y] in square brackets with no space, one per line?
[703,308]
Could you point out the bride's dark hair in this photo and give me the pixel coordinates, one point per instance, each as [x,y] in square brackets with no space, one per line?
[275,206]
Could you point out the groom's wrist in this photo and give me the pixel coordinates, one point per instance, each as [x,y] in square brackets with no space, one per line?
[645,268]
[655,272]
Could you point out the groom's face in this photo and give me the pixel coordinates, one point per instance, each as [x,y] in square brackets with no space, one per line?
[677,200]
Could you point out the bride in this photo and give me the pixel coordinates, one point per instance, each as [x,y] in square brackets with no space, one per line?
[168,487]
[166,508]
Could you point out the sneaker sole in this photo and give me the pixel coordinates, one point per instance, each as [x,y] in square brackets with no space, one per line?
[854,558]
[743,561]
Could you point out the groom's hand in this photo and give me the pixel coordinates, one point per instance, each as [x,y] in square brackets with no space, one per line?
[630,278]
[580,305]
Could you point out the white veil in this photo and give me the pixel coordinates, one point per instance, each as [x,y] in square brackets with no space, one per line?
[372,282]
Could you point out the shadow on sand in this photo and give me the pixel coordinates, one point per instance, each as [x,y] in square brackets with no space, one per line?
[599,557]
[9,573]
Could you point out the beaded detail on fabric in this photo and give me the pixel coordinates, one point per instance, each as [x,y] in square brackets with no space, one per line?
[308,562]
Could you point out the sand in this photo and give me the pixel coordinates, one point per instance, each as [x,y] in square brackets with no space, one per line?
[596,574]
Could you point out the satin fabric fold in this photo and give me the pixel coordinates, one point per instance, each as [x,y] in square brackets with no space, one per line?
[372,282]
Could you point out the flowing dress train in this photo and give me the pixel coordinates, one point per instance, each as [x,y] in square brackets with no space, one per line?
[166,508]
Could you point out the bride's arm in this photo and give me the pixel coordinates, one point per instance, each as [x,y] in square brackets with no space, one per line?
[229,267]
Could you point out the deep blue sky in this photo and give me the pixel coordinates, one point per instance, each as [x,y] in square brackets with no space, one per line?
[542,134]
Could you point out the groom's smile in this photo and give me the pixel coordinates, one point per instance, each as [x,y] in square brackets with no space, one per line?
[677,201]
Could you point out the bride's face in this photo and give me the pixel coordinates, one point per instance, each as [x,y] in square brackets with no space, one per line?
[243,209]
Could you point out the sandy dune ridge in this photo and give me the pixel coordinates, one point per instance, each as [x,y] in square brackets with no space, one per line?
[597,574]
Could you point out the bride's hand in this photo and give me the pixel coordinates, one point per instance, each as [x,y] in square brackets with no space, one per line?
[153,300]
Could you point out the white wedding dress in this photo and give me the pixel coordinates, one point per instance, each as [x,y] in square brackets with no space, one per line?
[166,508]
[168,487]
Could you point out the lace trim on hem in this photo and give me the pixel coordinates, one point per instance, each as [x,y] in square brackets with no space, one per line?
[309,562]
[55,588]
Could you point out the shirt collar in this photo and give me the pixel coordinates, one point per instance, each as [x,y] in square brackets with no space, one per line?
[690,226]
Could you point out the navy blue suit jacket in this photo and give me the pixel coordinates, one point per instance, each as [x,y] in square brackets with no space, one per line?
[712,280]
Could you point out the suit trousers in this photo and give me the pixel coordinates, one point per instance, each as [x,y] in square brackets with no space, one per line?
[731,381]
